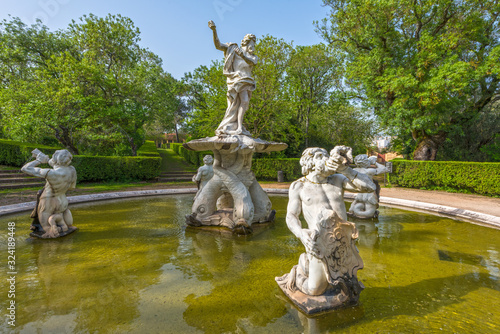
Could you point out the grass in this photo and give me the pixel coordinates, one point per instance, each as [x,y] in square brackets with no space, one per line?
[171,162]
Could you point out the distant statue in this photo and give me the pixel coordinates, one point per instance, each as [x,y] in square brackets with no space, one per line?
[238,65]
[366,205]
[51,215]
[205,173]
[329,266]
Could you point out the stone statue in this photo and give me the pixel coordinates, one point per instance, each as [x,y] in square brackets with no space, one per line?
[238,65]
[326,276]
[366,205]
[205,173]
[233,198]
[51,216]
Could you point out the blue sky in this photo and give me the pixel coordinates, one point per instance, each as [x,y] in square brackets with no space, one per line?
[177,30]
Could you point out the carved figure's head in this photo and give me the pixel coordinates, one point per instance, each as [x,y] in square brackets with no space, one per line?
[249,41]
[61,158]
[313,159]
[362,161]
[208,160]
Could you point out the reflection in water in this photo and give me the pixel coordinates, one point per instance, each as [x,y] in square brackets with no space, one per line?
[137,269]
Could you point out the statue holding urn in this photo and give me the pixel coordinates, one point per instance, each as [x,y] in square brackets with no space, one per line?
[326,276]
[51,216]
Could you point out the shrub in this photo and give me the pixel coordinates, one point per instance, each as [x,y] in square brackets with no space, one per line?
[176,147]
[267,169]
[13,153]
[88,168]
[148,149]
[475,177]
[110,168]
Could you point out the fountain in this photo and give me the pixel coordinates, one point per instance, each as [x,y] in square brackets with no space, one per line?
[233,198]
[134,267]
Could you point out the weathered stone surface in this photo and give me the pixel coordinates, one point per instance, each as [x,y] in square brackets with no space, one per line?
[326,275]
[365,205]
[51,216]
[233,198]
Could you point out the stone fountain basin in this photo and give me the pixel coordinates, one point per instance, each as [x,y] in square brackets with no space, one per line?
[134,267]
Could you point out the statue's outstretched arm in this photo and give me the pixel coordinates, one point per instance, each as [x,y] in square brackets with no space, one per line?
[32,169]
[217,43]
[357,182]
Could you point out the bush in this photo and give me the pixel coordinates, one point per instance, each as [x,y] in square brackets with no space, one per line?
[13,153]
[176,147]
[267,169]
[88,168]
[95,168]
[148,150]
[474,177]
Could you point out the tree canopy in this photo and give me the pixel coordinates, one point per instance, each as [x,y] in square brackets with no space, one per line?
[298,99]
[91,86]
[429,69]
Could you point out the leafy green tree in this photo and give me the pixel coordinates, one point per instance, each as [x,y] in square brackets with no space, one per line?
[312,75]
[206,96]
[426,67]
[340,123]
[92,86]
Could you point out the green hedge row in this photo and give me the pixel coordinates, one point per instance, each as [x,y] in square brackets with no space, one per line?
[148,149]
[193,157]
[96,168]
[88,168]
[13,153]
[475,177]
[267,169]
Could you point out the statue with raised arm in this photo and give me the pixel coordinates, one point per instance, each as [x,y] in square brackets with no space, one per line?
[326,275]
[365,205]
[233,198]
[51,216]
[238,65]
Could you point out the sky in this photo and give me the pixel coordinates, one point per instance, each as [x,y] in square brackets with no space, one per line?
[177,30]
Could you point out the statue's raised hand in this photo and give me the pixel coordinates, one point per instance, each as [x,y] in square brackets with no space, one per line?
[211,25]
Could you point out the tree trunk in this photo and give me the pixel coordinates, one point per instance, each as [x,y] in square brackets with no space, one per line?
[176,132]
[63,136]
[428,146]
[307,126]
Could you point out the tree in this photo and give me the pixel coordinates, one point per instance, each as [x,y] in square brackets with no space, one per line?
[426,67]
[312,75]
[92,86]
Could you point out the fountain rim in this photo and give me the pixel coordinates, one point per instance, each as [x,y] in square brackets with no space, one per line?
[435,209]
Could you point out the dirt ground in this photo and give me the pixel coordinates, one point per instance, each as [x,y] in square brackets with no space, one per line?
[476,203]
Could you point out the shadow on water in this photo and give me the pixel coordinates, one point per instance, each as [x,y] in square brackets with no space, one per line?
[417,299]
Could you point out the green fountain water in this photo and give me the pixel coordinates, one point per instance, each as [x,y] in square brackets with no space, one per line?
[133,267]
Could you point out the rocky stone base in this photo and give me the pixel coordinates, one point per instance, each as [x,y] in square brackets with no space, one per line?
[41,234]
[224,219]
[333,299]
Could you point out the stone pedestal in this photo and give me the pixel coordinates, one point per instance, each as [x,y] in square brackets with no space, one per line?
[232,198]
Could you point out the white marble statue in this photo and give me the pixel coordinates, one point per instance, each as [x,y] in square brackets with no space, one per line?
[326,276]
[366,205]
[238,65]
[52,218]
[233,198]
[204,173]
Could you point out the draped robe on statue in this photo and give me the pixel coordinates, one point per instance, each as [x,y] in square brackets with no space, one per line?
[237,81]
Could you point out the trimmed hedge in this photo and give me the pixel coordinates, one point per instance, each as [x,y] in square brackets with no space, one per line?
[13,153]
[267,169]
[475,177]
[96,168]
[193,157]
[148,149]
[88,168]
